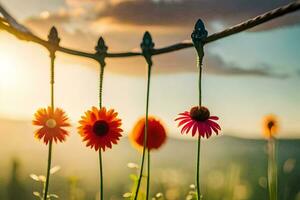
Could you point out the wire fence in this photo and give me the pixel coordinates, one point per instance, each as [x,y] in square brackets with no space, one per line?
[199,39]
[11,25]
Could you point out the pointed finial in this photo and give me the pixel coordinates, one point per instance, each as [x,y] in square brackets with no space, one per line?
[147,43]
[199,33]
[101,51]
[147,46]
[101,47]
[53,36]
[198,37]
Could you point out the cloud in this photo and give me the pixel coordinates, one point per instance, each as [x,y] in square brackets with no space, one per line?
[53,18]
[186,12]
[171,13]
[213,65]
[216,65]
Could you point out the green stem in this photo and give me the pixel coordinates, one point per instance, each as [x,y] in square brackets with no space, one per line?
[52,58]
[101,175]
[272,169]
[199,64]
[48,170]
[100,154]
[101,85]
[198,168]
[148,174]
[145,136]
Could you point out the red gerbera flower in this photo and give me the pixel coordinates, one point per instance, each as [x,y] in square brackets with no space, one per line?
[156,133]
[198,119]
[100,128]
[52,122]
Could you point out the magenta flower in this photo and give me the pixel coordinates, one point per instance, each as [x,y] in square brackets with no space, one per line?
[198,119]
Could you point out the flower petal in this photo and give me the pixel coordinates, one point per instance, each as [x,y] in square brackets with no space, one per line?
[187,127]
[180,118]
[194,130]
[214,124]
[201,129]
[208,131]
[184,121]
[214,118]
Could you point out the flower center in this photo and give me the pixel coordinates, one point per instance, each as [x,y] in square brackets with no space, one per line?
[51,123]
[100,128]
[270,125]
[199,113]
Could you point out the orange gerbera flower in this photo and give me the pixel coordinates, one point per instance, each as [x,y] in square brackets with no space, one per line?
[100,128]
[52,122]
[270,126]
[156,133]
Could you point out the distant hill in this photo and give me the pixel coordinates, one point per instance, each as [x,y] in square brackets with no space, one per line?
[232,168]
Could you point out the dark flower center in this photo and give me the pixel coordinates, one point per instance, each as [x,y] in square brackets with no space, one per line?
[199,113]
[100,128]
[270,124]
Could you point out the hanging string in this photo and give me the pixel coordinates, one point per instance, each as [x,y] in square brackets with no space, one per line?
[54,40]
[147,47]
[101,51]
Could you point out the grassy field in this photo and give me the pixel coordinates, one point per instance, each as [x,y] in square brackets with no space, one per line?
[232,168]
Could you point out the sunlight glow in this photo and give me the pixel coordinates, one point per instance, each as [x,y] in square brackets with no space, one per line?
[8,71]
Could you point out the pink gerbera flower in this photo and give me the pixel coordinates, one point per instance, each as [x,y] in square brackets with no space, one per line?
[198,119]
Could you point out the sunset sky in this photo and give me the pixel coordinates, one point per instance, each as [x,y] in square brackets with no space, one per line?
[246,76]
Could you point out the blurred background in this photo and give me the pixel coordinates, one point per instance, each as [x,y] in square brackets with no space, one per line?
[247,76]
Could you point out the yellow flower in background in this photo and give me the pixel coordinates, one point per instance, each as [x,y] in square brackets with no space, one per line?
[270,126]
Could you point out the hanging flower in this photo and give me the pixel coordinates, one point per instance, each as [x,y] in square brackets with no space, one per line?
[198,119]
[270,126]
[156,133]
[52,122]
[100,128]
